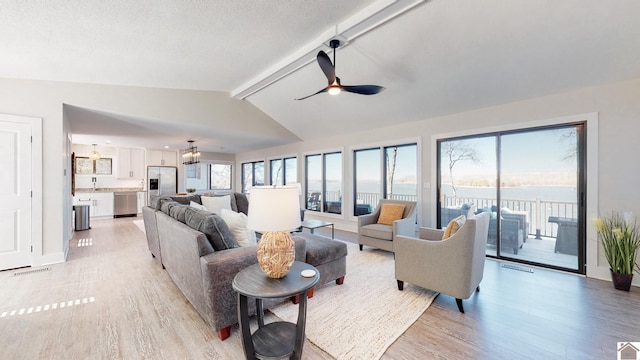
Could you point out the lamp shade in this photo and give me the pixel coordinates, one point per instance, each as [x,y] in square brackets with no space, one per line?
[274,208]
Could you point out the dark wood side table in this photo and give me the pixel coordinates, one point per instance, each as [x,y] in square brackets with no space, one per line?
[278,339]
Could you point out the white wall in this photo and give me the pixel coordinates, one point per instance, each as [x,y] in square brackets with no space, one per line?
[617,112]
[45,100]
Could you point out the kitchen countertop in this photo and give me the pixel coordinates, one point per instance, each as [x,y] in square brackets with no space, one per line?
[103,190]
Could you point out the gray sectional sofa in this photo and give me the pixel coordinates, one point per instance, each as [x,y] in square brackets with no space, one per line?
[199,252]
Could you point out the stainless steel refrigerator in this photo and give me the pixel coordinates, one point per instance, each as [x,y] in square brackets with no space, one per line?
[163,180]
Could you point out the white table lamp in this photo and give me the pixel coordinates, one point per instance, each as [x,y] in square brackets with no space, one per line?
[275,212]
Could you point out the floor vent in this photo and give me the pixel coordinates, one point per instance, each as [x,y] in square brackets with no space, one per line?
[32,271]
[516,267]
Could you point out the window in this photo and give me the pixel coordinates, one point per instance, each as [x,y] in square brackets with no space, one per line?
[220,176]
[279,175]
[252,175]
[529,181]
[208,176]
[324,182]
[396,164]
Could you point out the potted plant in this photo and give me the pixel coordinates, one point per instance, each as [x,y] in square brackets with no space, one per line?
[191,190]
[620,239]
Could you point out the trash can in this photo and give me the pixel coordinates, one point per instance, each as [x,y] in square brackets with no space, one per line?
[82,217]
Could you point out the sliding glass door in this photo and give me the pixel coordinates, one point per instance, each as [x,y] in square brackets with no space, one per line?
[529,183]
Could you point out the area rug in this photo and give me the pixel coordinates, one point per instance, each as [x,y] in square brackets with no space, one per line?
[363,317]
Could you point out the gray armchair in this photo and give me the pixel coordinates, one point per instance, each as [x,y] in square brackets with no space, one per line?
[382,236]
[453,266]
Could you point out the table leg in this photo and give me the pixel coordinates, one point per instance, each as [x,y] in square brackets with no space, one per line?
[332,232]
[260,312]
[312,230]
[300,326]
[243,319]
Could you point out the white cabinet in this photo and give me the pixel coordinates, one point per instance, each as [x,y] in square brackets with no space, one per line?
[100,203]
[142,200]
[162,158]
[130,163]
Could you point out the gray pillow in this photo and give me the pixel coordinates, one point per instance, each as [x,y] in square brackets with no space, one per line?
[166,205]
[242,203]
[213,226]
[178,212]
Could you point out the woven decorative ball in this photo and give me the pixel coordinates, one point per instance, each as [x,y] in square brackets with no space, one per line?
[276,254]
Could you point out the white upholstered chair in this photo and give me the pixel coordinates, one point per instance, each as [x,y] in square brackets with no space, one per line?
[381,236]
[453,266]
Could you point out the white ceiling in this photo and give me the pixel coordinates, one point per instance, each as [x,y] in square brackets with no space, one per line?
[439,57]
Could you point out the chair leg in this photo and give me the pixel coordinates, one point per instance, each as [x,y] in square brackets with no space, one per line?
[459,303]
[340,280]
[400,285]
[478,288]
[361,247]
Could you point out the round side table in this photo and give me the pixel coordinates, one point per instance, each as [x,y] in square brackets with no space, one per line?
[279,339]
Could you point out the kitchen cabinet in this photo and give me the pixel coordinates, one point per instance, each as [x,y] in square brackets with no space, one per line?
[142,199]
[130,163]
[162,158]
[100,203]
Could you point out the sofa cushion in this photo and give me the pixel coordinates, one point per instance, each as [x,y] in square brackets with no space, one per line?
[212,226]
[195,205]
[390,213]
[242,203]
[322,250]
[237,223]
[378,231]
[178,212]
[215,204]
[453,226]
[166,204]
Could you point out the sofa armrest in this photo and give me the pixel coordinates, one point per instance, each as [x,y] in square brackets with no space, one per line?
[367,219]
[406,226]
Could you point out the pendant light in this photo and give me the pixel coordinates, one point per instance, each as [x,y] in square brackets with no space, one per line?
[94,155]
[191,155]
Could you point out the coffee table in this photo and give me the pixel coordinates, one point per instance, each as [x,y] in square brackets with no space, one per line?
[278,339]
[314,224]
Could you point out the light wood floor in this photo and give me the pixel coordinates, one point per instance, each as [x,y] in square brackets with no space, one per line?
[111,300]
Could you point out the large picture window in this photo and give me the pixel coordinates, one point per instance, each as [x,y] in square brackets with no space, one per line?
[206,176]
[252,175]
[324,182]
[386,172]
[283,175]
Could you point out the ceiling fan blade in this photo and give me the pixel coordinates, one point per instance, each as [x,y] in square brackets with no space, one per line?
[363,89]
[321,91]
[327,67]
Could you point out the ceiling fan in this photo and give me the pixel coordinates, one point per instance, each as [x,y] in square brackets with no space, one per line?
[334,86]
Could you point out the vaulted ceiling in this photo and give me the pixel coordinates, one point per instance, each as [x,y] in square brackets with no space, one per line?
[434,57]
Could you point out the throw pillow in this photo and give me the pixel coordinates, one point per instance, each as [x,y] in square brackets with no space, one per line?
[237,223]
[213,226]
[390,213]
[215,204]
[453,226]
[195,205]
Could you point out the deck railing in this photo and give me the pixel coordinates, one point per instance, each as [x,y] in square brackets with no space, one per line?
[538,211]
[366,198]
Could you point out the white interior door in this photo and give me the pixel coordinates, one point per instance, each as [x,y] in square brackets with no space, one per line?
[15,192]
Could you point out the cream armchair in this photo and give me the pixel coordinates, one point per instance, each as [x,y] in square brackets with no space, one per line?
[382,236]
[453,266]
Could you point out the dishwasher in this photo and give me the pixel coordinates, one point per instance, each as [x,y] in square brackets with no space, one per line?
[125,203]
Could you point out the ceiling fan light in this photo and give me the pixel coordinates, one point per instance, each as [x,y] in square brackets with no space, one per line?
[334,90]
